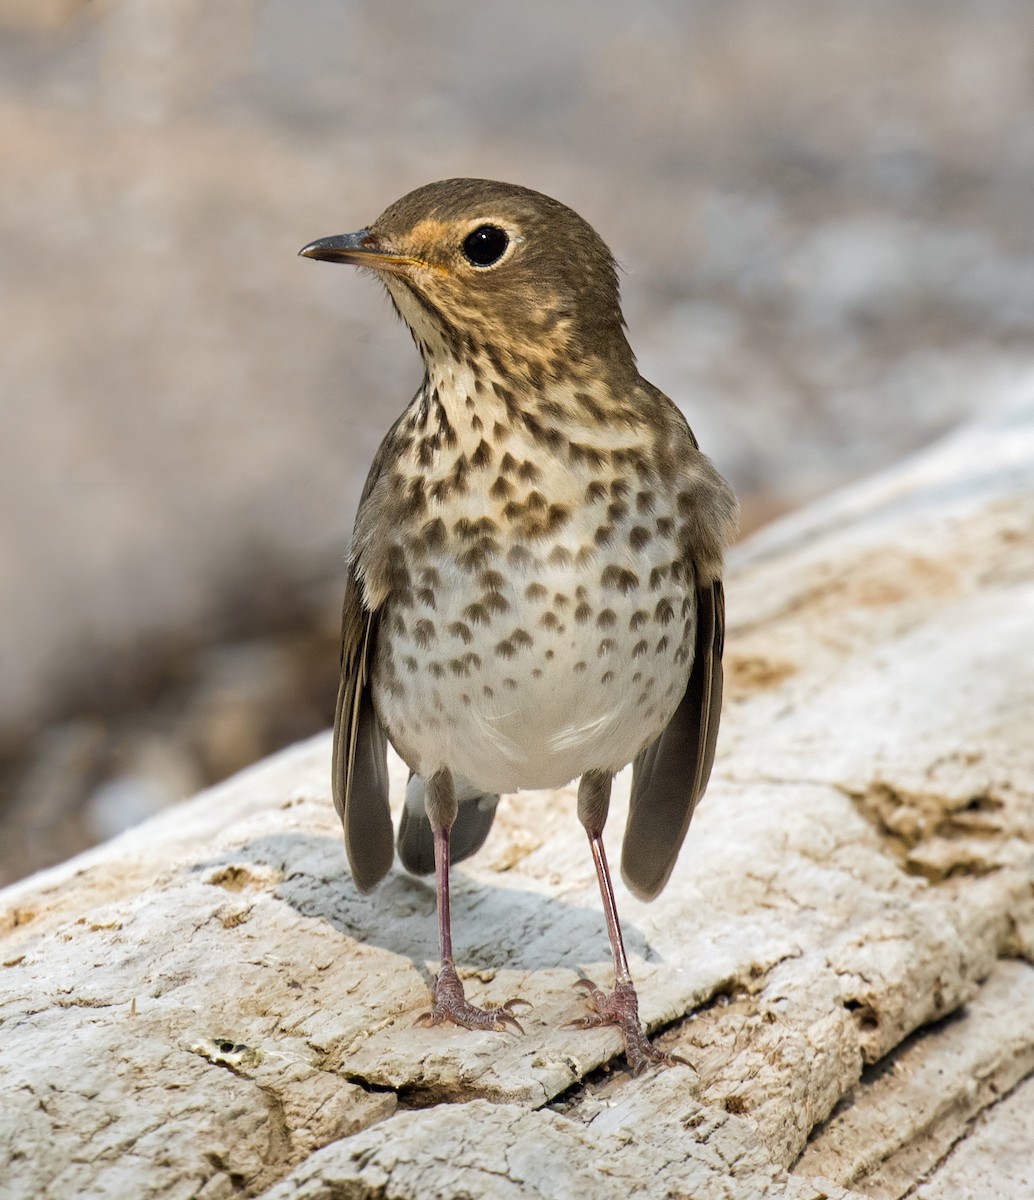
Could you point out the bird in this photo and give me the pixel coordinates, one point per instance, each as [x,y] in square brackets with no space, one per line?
[534,588]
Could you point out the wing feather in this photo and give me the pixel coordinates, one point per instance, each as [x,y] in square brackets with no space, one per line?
[360,759]
[671,774]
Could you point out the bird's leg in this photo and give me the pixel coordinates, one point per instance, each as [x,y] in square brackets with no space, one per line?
[621,1006]
[450,1002]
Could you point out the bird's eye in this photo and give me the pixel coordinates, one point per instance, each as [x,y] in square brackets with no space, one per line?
[485,246]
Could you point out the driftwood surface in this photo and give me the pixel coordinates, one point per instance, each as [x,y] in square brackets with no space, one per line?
[206,1008]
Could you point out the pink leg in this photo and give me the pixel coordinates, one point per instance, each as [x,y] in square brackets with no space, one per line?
[621,1006]
[450,1002]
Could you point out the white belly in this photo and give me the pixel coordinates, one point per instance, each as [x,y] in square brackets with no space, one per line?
[542,675]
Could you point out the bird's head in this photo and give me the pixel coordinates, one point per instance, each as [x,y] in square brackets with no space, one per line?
[478,268]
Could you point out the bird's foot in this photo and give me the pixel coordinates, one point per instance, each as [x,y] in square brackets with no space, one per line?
[451,1004]
[621,1008]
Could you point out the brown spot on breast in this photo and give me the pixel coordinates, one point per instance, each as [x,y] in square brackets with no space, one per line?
[638,537]
[424,633]
[664,612]
[429,577]
[495,602]
[519,555]
[448,434]
[414,502]
[556,515]
[433,533]
[536,672]
[579,667]
[560,600]
[411,664]
[620,578]
[592,407]
[535,591]
[582,454]
[459,474]
[607,619]
[477,556]
[491,579]
[501,391]
[396,569]
[644,502]
[607,677]
[619,489]
[595,492]
[528,472]
[440,490]
[657,577]
[639,649]
[437,669]
[605,646]
[560,556]
[426,596]
[501,488]
[549,620]
[477,614]
[468,529]
[510,684]
[638,620]
[662,645]
[482,456]
[617,511]
[603,535]
[459,629]
[582,613]
[550,409]
[664,526]
[464,665]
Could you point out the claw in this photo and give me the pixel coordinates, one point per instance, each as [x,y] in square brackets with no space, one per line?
[621,1008]
[451,1004]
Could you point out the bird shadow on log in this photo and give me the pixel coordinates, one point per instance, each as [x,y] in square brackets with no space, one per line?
[494,927]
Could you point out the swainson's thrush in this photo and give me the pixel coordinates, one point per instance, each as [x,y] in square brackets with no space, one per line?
[535,584]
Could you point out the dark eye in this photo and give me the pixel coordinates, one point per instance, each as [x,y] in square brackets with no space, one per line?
[485,246]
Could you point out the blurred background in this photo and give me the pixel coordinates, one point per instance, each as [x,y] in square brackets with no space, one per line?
[823,208]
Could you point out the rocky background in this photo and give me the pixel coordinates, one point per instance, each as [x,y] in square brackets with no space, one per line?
[823,208]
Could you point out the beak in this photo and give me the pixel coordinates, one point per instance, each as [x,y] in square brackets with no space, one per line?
[360,249]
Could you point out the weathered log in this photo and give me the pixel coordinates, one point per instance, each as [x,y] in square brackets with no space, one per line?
[206,1007]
